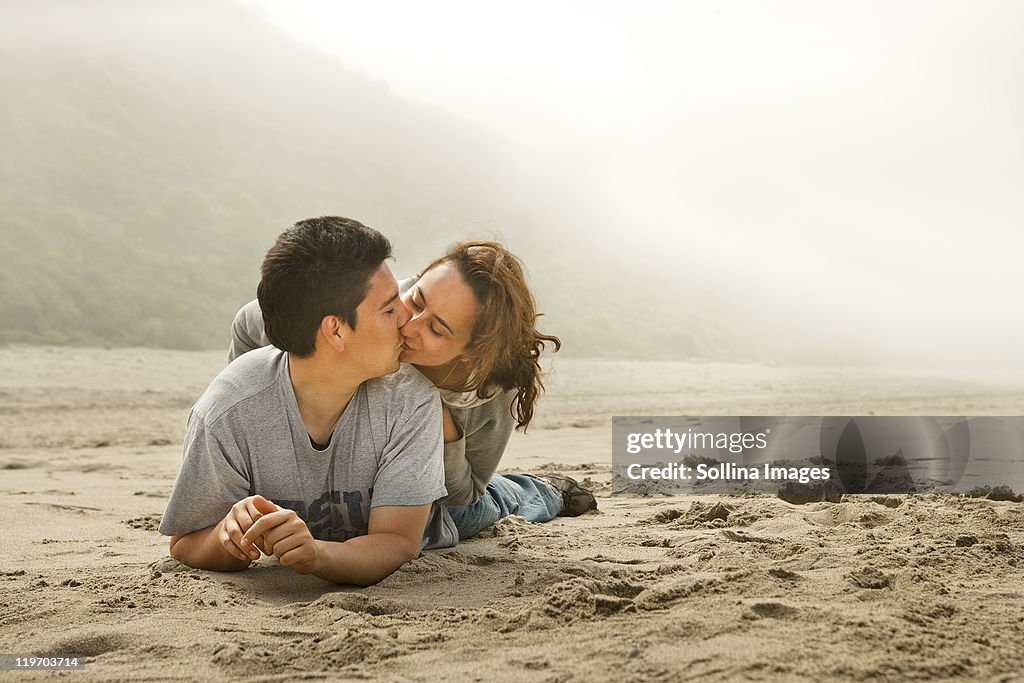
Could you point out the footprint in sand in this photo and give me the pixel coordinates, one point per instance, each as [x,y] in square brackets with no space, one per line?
[145,523]
[90,644]
[774,610]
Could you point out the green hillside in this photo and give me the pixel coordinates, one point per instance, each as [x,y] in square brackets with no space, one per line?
[152,151]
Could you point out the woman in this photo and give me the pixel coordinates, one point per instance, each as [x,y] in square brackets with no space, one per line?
[472,333]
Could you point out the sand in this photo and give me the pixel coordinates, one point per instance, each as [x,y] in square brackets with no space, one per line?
[667,588]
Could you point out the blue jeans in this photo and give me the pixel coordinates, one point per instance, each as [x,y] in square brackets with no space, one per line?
[508,494]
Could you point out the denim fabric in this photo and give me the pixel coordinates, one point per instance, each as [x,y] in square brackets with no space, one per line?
[508,494]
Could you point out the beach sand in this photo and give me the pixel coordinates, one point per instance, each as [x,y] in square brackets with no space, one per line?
[666,588]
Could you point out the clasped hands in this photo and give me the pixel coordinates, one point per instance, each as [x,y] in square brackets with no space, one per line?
[256,524]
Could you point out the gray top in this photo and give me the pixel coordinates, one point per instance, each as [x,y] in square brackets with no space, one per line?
[247,330]
[245,437]
[470,462]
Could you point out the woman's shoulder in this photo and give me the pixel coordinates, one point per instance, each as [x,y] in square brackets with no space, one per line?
[479,416]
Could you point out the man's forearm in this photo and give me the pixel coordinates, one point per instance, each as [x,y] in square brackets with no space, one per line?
[363,560]
[202,550]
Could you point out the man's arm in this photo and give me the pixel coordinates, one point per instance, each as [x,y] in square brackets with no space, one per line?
[210,501]
[203,550]
[220,547]
[394,536]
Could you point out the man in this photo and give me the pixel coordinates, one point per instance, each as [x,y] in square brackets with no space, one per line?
[322,451]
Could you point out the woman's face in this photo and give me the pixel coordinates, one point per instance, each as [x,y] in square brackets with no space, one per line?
[443,311]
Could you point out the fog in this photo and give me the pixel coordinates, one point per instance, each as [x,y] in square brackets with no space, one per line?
[783,182]
[852,170]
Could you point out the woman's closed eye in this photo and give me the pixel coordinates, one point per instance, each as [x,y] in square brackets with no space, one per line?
[419,307]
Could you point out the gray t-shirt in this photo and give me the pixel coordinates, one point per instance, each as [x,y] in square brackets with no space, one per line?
[245,437]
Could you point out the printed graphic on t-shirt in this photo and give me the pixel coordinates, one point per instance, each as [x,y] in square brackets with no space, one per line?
[335,515]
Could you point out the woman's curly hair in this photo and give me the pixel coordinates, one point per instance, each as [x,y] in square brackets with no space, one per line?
[505,345]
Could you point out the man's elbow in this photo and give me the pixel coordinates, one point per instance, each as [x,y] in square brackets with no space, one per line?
[403,551]
[175,548]
[411,549]
[186,548]
[179,550]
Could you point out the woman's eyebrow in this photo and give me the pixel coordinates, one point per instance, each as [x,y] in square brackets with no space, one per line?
[436,316]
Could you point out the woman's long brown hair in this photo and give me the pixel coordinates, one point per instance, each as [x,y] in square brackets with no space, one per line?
[505,347]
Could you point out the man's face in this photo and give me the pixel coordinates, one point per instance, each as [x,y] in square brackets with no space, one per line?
[375,344]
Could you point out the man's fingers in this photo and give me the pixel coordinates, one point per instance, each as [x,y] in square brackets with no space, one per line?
[242,522]
[293,528]
[252,514]
[301,558]
[243,533]
[231,537]
[291,556]
[246,526]
[264,524]
[286,544]
[264,506]
[231,548]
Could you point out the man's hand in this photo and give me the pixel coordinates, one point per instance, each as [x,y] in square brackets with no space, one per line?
[239,520]
[284,535]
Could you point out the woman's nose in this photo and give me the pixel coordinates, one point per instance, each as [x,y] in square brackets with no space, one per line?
[403,316]
[409,326]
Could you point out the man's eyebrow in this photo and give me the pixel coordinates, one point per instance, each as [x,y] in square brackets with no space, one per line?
[436,316]
[390,301]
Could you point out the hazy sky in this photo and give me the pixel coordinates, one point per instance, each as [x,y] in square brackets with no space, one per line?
[866,156]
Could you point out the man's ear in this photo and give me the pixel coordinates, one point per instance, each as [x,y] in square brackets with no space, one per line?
[332,331]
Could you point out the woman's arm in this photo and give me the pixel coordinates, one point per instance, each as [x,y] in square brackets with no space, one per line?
[452,432]
[471,460]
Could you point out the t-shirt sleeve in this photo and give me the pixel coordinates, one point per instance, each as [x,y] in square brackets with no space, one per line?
[470,462]
[247,330]
[213,477]
[411,470]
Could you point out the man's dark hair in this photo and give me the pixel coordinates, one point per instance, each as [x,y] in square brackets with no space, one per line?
[318,267]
